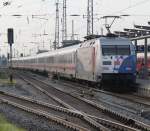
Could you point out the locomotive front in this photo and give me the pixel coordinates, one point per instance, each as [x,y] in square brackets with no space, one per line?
[118,60]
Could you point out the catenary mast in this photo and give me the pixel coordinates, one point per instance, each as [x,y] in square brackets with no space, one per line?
[90,18]
[56,42]
[64,21]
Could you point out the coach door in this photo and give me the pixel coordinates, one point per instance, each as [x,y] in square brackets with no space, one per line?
[85,63]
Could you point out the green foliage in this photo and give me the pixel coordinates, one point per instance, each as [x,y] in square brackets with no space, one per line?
[6,126]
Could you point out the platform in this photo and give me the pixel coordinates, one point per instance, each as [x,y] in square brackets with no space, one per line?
[143,87]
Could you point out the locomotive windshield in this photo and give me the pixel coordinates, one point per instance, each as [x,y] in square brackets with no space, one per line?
[116,50]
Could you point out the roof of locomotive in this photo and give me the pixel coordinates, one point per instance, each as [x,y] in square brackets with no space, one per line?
[114,40]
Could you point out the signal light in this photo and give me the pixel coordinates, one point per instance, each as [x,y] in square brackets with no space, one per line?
[10,35]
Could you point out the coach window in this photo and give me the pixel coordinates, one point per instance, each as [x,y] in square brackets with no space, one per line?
[72,58]
[63,59]
[40,60]
[59,59]
[52,59]
[49,59]
[69,58]
[148,48]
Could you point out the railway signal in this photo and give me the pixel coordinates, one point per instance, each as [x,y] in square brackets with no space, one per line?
[10,36]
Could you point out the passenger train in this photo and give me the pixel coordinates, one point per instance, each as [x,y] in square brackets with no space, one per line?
[96,60]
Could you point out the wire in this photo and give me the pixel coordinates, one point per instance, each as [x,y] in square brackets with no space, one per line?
[139,15]
[132,6]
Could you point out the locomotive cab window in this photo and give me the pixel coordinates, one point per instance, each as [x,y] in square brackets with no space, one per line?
[109,50]
[123,50]
[115,50]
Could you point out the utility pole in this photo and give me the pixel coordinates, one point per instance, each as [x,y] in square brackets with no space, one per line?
[64,21]
[56,42]
[90,17]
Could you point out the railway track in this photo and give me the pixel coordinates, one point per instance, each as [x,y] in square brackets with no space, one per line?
[42,110]
[68,118]
[130,97]
[94,110]
[85,90]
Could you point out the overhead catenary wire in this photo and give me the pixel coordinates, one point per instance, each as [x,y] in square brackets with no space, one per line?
[131,6]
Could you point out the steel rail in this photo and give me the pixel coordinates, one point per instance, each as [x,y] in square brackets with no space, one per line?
[124,119]
[88,119]
[108,123]
[127,97]
[66,124]
[89,91]
[120,117]
[49,106]
[138,124]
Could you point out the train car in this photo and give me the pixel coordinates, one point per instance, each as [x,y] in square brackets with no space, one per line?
[140,62]
[140,58]
[96,60]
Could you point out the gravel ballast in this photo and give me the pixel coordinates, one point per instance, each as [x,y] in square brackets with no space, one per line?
[29,121]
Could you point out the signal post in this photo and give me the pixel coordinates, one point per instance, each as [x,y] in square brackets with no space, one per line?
[10,36]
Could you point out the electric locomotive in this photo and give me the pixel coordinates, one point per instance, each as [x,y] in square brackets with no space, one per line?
[98,60]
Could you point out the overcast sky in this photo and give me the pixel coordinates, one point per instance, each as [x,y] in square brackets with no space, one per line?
[27,27]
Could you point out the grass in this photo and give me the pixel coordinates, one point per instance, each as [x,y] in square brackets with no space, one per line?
[7,82]
[3,75]
[6,126]
[4,79]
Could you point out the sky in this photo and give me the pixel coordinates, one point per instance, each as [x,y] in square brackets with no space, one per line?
[35,28]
